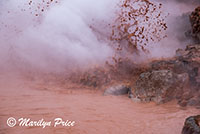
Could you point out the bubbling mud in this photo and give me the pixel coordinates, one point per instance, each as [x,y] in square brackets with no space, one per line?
[92,112]
[139,23]
[60,35]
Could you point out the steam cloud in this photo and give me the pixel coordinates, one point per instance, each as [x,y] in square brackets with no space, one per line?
[57,38]
[56,35]
[178,25]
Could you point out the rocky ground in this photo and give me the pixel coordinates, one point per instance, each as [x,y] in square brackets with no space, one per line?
[159,81]
[177,78]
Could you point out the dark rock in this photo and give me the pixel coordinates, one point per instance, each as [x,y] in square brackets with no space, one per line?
[183,103]
[117,90]
[191,98]
[193,102]
[189,62]
[163,65]
[186,61]
[195,22]
[191,125]
[130,93]
[158,86]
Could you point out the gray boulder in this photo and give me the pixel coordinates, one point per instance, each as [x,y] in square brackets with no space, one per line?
[159,86]
[117,90]
[184,67]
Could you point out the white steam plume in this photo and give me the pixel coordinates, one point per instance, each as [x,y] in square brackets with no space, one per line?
[178,24]
[53,36]
[57,35]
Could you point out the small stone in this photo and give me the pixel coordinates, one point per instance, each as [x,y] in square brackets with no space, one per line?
[117,90]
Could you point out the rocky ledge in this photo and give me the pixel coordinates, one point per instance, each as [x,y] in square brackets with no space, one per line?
[177,78]
[195,21]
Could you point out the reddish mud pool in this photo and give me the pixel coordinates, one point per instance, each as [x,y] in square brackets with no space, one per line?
[92,112]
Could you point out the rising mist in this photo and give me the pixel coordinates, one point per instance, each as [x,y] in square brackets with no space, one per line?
[55,36]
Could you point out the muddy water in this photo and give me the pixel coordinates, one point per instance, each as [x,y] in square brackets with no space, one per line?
[92,112]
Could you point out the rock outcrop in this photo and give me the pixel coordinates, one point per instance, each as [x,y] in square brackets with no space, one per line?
[159,86]
[195,21]
[186,61]
[189,62]
[191,125]
[176,78]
